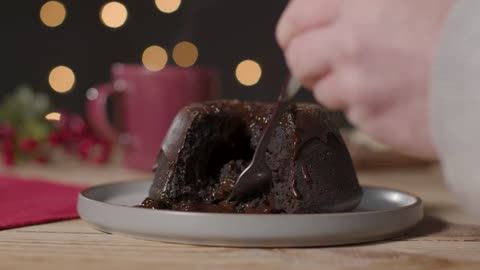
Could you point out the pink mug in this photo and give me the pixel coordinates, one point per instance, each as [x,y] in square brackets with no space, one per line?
[148,101]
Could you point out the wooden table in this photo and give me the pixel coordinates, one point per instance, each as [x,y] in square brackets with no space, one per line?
[447,239]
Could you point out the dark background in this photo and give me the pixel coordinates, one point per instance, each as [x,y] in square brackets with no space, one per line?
[225,32]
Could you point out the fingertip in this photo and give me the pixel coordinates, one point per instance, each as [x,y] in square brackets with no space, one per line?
[325,92]
[311,56]
[280,35]
[282,30]
[302,15]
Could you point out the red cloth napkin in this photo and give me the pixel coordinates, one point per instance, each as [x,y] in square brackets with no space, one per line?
[26,202]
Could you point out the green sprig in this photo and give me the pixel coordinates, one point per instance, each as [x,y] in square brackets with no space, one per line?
[25,110]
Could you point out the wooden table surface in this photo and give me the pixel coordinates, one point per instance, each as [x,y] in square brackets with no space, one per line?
[447,239]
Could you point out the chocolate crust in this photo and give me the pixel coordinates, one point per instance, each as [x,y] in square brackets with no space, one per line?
[210,143]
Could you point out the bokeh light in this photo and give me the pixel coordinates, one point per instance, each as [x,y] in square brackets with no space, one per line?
[61,79]
[92,94]
[168,6]
[53,116]
[185,54]
[53,13]
[154,58]
[248,72]
[113,14]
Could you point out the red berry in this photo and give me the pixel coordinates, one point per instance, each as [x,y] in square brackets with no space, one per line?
[106,149]
[8,146]
[101,159]
[7,131]
[94,149]
[55,138]
[28,145]
[66,134]
[85,144]
[73,132]
[64,121]
[41,159]
[8,158]
[77,125]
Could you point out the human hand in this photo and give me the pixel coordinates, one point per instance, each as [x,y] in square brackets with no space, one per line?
[371,59]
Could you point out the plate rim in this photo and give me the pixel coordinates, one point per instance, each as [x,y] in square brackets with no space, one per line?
[83,196]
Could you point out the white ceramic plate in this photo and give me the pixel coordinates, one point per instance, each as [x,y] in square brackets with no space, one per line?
[382,214]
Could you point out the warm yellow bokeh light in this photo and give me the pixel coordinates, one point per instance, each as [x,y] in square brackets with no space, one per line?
[154,58]
[61,79]
[248,72]
[168,6]
[114,14]
[185,54]
[53,13]
[53,116]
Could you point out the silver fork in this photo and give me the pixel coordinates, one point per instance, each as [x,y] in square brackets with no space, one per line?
[257,176]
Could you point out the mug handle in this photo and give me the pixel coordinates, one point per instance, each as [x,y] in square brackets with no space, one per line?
[96,108]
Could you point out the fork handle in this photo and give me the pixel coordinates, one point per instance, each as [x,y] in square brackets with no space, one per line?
[286,95]
[292,89]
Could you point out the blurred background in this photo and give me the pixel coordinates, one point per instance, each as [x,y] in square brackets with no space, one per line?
[62,48]
[54,52]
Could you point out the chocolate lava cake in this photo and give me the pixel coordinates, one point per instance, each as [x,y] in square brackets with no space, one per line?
[209,144]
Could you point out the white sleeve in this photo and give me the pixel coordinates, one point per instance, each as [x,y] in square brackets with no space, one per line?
[455,102]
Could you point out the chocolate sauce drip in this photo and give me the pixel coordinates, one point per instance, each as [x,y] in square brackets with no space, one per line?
[295,191]
[150,203]
[306,174]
